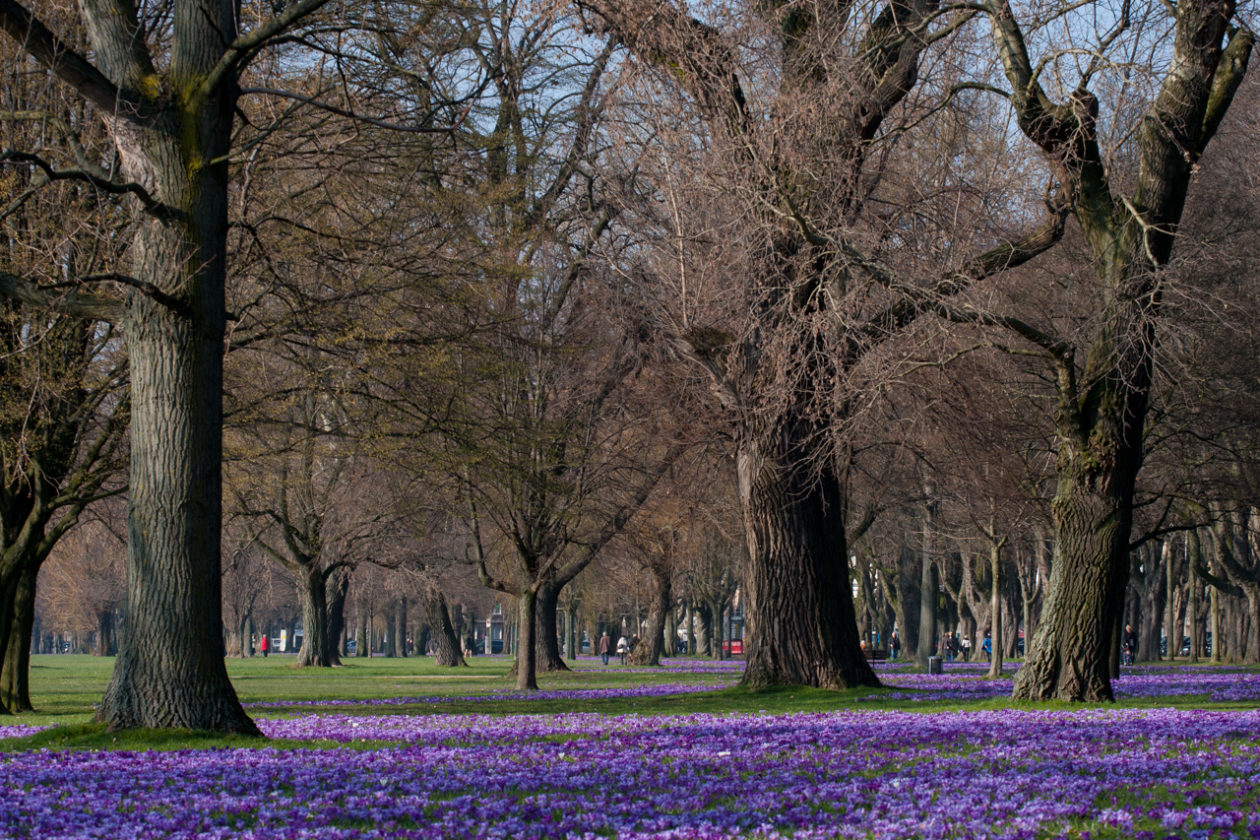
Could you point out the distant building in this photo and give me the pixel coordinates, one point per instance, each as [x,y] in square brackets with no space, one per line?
[494,630]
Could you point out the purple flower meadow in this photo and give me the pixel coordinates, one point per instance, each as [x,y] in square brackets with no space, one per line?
[967,681]
[661,690]
[1001,774]
[18,731]
[962,681]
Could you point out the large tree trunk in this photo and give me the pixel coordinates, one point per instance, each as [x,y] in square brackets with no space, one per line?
[170,671]
[363,635]
[446,647]
[648,650]
[106,641]
[316,650]
[995,610]
[1102,403]
[19,621]
[1069,659]
[925,639]
[801,627]
[337,589]
[526,642]
[547,605]
[400,626]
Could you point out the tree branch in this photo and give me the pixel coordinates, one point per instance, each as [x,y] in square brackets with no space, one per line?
[236,57]
[58,300]
[41,44]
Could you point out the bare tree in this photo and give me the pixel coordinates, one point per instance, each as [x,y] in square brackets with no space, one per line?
[164,79]
[802,133]
[1128,209]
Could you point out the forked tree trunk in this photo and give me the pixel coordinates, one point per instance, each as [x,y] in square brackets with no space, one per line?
[170,671]
[446,647]
[801,627]
[1103,402]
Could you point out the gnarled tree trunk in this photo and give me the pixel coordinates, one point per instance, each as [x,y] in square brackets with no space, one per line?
[801,627]
[1069,657]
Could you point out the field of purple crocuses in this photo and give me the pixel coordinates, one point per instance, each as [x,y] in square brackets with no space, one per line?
[997,773]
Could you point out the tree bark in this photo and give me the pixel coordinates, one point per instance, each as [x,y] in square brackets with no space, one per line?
[526,643]
[446,647]
[648,651]
[363,636]
[1152,606]
[1069,657]
[1103,405]
[400,626]
[573,630]
[547,605]
[391,636]
[1214,620]
[317,649]
[995,608]
[925,640]
[15,688]
[1194,557]
[106,643]
[337,589]
[1172,639]
[169,672]
[801,627]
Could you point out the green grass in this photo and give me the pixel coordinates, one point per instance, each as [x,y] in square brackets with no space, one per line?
[65,690]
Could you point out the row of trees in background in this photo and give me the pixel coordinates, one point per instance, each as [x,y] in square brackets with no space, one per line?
[804,299]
